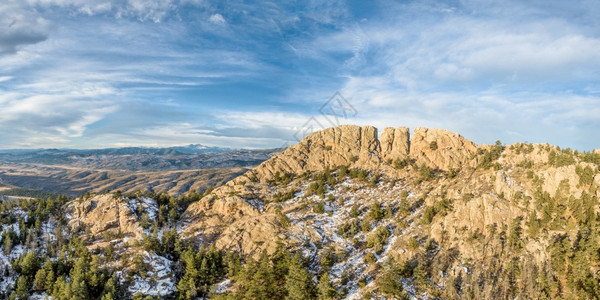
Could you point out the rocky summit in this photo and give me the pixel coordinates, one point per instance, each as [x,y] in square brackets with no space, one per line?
[346,213]
[354,147]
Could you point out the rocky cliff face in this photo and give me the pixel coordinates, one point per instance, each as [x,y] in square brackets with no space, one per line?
[360,147]
[440,148]
[331,147]
[108,213]
[395,143]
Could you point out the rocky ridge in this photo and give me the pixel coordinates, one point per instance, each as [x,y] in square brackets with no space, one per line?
[464,214]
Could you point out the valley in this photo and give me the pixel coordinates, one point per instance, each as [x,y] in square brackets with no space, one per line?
[173,170]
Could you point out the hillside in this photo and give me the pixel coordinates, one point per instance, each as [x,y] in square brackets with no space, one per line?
[20,179]
[173,170]
[343,214]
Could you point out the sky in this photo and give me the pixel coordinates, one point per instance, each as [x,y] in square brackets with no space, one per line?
[115,73]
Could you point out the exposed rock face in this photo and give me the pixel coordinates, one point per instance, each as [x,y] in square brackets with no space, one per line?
[395,143]
[439,148]
[104,213]
[341,145]
[252,235]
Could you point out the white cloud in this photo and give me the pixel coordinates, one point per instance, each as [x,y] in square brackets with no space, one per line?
[49,117]
[217,19]
[144,10]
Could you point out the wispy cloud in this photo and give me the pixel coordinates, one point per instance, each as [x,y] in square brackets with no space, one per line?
[77,73]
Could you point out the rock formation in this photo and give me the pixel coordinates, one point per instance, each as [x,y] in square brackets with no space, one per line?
[440,148]
[395,143]
[107,213]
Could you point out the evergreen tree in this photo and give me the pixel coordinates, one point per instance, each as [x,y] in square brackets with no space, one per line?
[23,285]
[78,283]
[186,289]
[263,280]
[281,260]
[325,289]
[39,283]
[49,284]
[389,281]
[29,265]
[298,283]
[110,288]
[8,244]
[375,212]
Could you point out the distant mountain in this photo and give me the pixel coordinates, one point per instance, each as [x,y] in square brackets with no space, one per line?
[141,158]
[25,154]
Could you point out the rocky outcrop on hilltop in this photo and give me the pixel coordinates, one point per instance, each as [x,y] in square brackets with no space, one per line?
[360,147]
[440,148]
[488,186]
[341,145]
[395,143]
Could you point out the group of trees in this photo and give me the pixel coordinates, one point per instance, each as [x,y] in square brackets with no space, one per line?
[202,269]
[56,260]
[278,276]
[75,274]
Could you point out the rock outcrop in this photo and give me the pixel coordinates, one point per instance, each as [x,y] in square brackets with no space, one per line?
[395,143]
[343,145]
[439,148]
[107,213]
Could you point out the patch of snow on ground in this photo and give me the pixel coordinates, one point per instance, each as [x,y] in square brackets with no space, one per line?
[150,207]
[223,286]
[42,296]
[158,281]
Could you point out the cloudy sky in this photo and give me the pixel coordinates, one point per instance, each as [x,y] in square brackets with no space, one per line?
[106,73]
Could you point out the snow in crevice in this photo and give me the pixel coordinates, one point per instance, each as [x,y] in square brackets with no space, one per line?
[158,281]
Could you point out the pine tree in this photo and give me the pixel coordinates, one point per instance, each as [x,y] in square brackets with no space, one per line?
[60,290]
[187,289]
[39,283]
[297,282]
[376,213]
[514,238]
[281,261]
[30,264]
[8,244]
[263,280]
[23,285]
[110,288]
[78,283]
[325,289]
[50,278]
[95,278]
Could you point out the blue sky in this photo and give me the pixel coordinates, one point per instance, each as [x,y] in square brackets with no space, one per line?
[110,73]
